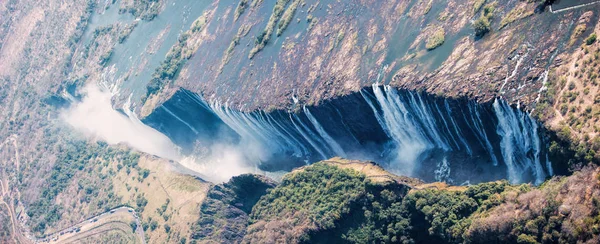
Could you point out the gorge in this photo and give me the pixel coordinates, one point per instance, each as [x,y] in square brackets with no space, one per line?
[410,133]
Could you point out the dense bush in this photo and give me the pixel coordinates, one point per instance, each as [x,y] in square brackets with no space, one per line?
[326,204]
[483,24]
[436,39]
[309,200]
[591,39]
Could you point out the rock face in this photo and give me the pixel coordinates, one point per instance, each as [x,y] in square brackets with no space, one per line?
[224,212]
[410,133]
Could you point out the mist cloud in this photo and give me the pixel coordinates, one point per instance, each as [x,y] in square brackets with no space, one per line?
[95,117]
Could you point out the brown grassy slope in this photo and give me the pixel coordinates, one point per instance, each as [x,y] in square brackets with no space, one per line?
[181,194]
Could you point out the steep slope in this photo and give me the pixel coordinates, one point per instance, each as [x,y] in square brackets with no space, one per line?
[349,201]
[224,213]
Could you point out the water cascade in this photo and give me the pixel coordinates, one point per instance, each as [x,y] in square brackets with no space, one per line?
[409,133]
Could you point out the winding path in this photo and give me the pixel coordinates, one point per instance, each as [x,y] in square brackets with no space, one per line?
[22,235]
[91,223]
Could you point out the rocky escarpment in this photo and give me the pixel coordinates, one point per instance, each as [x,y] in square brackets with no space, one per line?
[411,133]
[224,212]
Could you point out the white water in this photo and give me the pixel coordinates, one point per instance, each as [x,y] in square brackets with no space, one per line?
[442,173]
[179,119]
[416,128]
[95,117]
[514,72]
[420,129]
[335,147]
[519,137]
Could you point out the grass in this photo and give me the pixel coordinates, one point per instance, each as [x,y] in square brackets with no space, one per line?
[483,25]
[176,58]
[477,5]
[515,14]
[287,17]
[577,32]
[591,39]
[428,7]
[170,198]
[242,31]
[263,38]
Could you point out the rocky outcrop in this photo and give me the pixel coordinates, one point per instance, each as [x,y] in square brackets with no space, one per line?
[224,212]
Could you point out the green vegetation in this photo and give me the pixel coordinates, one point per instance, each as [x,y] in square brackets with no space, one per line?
[324,203]
[577,32]
[477,5]
[263,38]
[574,96]
[82,24]
[105,58]
[483,25]
[144,9]
[239,10]
[5,225]
[175,59]
[591,39]
[224,213]
[125,32]
[242,31]
[428,7]
[77,158]
[436,39]
[256,3]
[312,199]
[287,17]
[318,193]
[514,15]
[133,225]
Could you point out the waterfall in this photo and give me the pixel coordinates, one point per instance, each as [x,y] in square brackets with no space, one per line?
[442,173]
[179,119]
[333,145]
[411,133]
[519,140]
[477,127]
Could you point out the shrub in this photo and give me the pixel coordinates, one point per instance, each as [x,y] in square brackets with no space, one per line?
[133,225]
[591,39]
[477,5]
[436,39]
[481,26]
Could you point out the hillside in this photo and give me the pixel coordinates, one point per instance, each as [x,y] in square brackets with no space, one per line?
[329,202]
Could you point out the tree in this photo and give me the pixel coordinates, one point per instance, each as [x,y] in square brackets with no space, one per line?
[133,225]
[481,26]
